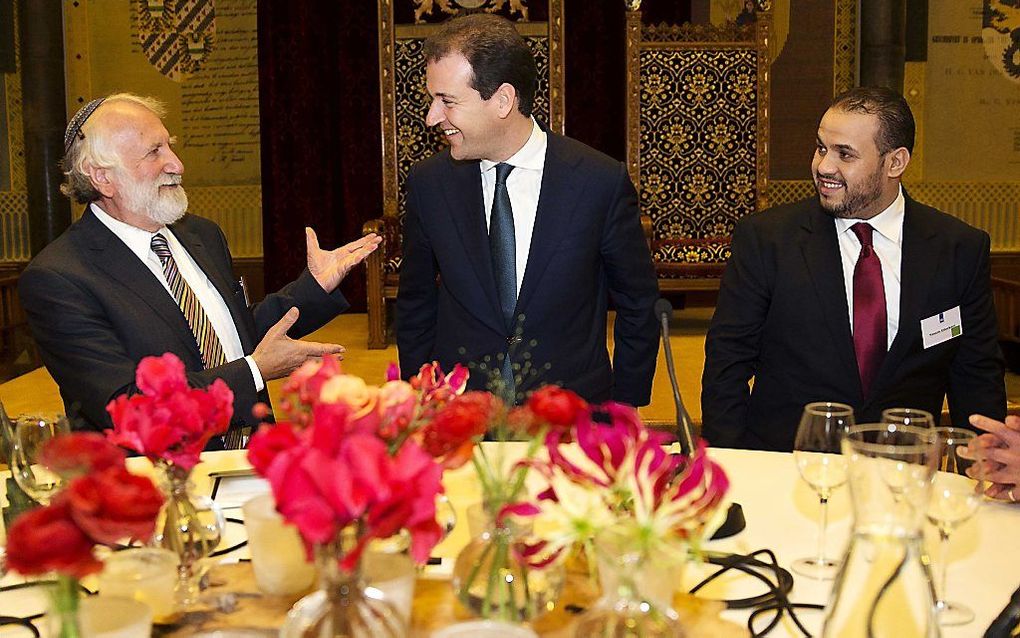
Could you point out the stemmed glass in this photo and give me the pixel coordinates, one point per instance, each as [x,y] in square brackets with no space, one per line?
[908,416]
[30,435]
[816,450]
[955,498]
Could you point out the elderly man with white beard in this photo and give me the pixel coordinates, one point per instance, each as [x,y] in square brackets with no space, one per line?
[137,276]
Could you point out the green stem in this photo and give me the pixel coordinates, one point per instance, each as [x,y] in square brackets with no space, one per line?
[65,606]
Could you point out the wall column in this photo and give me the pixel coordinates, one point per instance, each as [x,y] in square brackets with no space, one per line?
[883,43]
[41,30]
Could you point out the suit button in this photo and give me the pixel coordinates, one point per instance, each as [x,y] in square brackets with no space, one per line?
[514,340]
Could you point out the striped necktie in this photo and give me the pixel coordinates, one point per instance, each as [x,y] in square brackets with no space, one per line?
[208,343]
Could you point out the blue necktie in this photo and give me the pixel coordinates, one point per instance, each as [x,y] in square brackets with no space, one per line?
[503,247]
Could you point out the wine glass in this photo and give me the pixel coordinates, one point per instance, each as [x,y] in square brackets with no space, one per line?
[30,435]
[908,416]
[955,498]
[817,453]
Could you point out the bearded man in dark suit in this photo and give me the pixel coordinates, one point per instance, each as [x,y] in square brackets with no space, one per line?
[516,238]
[136,276]
[860,295]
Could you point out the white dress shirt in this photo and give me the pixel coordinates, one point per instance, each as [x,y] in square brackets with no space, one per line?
[140,243]
[887,239]
[524,185]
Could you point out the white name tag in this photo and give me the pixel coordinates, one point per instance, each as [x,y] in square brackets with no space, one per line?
[941,327]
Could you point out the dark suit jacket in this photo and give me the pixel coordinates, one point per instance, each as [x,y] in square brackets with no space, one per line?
[587,246]
[782,318]
[96,310]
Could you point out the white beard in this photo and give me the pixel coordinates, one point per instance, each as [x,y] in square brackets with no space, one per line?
[163,208]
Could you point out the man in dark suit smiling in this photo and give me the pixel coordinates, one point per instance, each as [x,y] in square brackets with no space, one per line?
[516,238]
[860,295]
[136,276]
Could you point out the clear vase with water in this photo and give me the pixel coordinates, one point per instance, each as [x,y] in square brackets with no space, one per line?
[884,588]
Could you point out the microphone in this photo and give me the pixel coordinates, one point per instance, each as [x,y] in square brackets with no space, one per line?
[735,522]
[684,427]
[1007,620]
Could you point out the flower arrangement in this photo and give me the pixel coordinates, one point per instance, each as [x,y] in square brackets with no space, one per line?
[101,504]
[171,423]
[619,477]
[349,458]
[349,463]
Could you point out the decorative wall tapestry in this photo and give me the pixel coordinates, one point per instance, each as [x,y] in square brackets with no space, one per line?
[177,36]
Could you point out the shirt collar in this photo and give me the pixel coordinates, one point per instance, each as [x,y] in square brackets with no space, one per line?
[532,154]
[137,239]
[888,223]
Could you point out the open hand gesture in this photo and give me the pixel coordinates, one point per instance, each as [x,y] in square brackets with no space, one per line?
[329,267]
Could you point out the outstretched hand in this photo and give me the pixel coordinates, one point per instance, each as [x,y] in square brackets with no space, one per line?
[277,355]
[329,267]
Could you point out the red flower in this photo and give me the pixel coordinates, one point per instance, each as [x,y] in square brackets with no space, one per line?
[80,453]
[169,421]
[114,504]
[47,539]
[268,443]
[453,431]
[558,407]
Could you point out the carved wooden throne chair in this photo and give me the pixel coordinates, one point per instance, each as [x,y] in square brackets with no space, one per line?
[404,25]
[697,136]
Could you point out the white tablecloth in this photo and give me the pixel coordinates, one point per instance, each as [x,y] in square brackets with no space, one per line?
[782,515]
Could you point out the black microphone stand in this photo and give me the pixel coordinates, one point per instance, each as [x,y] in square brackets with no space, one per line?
[735,522]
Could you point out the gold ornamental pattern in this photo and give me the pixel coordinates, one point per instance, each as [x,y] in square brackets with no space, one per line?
[698,148]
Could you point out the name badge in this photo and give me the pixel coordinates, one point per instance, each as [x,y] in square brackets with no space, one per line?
[941,327]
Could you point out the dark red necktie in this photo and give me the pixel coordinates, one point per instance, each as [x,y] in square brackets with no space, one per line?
[869,309]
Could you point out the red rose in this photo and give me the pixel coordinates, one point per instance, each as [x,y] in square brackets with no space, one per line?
[453,431]
[80,453]
[556,406]
[114,504]
[46,539]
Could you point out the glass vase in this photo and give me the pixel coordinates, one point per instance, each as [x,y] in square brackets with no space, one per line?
[346,606]
[637,591]
[191,526]
[492,582]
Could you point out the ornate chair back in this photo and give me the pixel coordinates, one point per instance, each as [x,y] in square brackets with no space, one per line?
[697,137]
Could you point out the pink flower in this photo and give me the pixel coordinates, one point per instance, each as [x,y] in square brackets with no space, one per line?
[397,404]
[169,421]
[157,376]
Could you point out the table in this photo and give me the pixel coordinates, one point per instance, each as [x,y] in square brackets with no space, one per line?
[781,513]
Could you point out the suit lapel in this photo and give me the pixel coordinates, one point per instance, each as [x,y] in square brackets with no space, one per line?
[918,266]
[820,248]
[110,255]
[464,195]
[193,243]
[556,204]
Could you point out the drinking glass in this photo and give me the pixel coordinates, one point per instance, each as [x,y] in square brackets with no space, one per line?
[908,416]
[30,435]
[955,498]
[817,453]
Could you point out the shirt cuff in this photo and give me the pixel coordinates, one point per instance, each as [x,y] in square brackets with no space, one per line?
[256,376]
